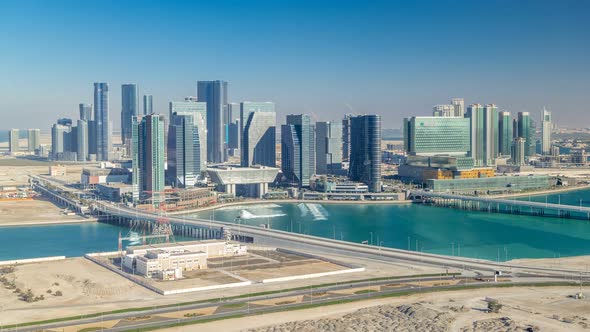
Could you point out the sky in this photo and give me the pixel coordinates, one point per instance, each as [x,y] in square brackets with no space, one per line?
[324,58]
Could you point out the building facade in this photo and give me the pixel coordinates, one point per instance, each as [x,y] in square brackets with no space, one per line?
[298,149]
[148,159]
[328,147]
[459,106]
[365,154]
[546,125]
[185,161]
[427,135]
[259,139]
[148,104]
[214,93]
[484,133]
[33,139]
[129,109]
[526,131]
[82,140]
[85,112]
[505,133]
[13,141]
[102,121]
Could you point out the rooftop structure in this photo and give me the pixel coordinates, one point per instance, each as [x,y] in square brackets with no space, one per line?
[230,176]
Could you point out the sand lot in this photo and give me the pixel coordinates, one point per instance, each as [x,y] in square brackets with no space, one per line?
[548,309]
[37,211]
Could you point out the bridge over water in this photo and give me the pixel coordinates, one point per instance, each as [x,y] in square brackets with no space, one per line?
[500,205]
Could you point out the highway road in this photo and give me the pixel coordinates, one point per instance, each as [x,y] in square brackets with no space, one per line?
[232,307]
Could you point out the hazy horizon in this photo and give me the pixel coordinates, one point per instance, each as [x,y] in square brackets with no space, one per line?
[395,59]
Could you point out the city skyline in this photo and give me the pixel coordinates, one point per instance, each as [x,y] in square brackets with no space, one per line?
[311,68]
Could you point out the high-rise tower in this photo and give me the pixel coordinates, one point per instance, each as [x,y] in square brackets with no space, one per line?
[129,109]
[214,93]
[102,121]
[365,156]
[298,149]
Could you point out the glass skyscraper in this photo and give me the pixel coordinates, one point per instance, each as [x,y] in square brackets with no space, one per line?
[129,109]
[346,137]
[33,138]
[185,161]
[546,125]
[148,104]
[430,136]
[13,141]
[328,147]
[259,140]
[214,93]
[298,149]
[85,112]
[505,134]
[365,155]
[484,133]
[82,140]
[526,131]
[102,121]
[198,110]
[148,159]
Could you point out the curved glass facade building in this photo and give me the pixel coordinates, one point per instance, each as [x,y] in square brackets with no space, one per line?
[365,154]
[258,143]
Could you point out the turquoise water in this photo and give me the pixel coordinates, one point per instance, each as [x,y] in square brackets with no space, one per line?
[425,228]
[429,229]
[57,240]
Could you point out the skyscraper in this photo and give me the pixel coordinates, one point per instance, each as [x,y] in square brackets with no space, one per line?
[129,109]
[13,141]
[82,140]
[346,137]
[518,151]
[365,155]
[85,112]
[505,134]
[328,147]
[198,110]
[185,161]
[546,125]
[148,159]
[102,121]
[443,110]
[230,114]
[458,106]
[59,140]
[298,149]
[34,139]
[258,143]
[214,93]
[148,104]
[484,133]
[526,131]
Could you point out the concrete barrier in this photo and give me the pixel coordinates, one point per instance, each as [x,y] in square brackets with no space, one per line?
[312,275]
[33,260]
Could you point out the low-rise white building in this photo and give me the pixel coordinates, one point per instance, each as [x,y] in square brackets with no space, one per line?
[167,261]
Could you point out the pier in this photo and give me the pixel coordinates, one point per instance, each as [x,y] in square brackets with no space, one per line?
[500,205]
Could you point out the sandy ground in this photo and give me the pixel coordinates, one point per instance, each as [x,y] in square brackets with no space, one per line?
[548,309]
[89,288]
[33,212]
[19,175]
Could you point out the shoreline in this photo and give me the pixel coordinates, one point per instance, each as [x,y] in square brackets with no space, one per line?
[289,201]
[48,223]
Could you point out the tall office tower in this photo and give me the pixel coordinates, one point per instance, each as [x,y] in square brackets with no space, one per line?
[491,149]
[259,141]
[184,150]
[328,147]
[505,134]
[188,105]
[13,141]
[526,131]
[230,113]
[546,132]
[346,137]
[148,159]
[431,136]
[101,121]
[91,140]
[82,140]
[484,133]
[298,149]
[248,107]
[459,106]
[214,93]
[518,151]
[233,135]
[65,122]
[34,139]
[443,110]
[129,109]
[148,104]
[365,154]
[198,110]
[85,112]
[59,140]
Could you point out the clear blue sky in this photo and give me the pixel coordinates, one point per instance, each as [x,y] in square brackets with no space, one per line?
[319,57]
